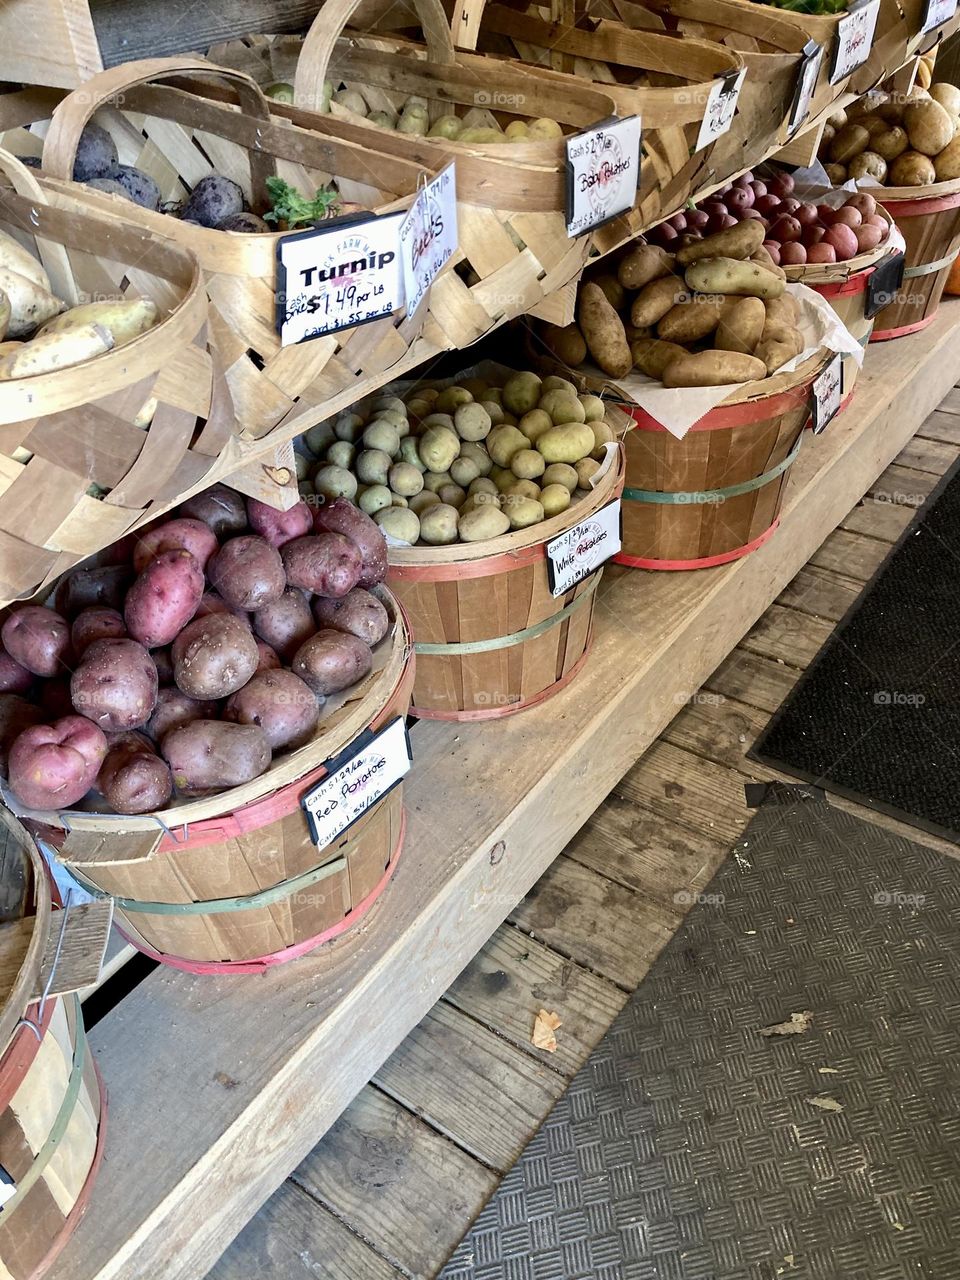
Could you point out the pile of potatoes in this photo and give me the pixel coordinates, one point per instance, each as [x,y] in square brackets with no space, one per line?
[39,333]
[203,649]
[462,464]
[413,117]
[712,314]
[907,142]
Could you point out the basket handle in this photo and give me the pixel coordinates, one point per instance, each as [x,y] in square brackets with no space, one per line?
[55,259]
[73,113]
[468,14]
[321,40]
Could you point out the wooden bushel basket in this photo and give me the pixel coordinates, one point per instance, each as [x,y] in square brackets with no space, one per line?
[179,137]
[929,219]
[514,247]
[52,1106]
[715,495]
[491,639]
[234,883]
[65,431]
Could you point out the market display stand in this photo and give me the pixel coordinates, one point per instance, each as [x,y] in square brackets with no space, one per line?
[220,1087]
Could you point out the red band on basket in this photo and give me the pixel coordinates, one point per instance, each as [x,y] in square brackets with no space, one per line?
[261,963]
[705,562]
[918,207]
[497,713]
[505,562]
[22,1050]
[733,415]
[884,335]
[856,283]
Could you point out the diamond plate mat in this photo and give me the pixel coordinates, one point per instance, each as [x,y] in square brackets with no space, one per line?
[691,1147]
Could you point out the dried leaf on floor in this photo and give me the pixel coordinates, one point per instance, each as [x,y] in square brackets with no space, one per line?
[795,1025]
[543,1031]
[826,1104]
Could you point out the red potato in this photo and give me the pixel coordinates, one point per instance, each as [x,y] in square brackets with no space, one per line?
[785,229]
[209,755]
[739,200]
[864,202]
[678,222]
[878,220]
[84,588]
[753,213]
[821,252]
[714,205]
[214,656]
[210,602]
[664,235]
[325,563]
[688,237]
[773,248]
[133,778]
[806,214]
[268,660]
[790,205]
[115,685]
[868,237]
[16,714]
[781,185]
[793,255]
[767,204]
[847,217]
[341,516]
[13,677]
[52,766]
[745,179]
[844,241]
[812,236]
[825,214]
[37,639]
[164,598]
[221,509]
[281,704]
[278,527]
[286,623]
[175,708]
[183,534]
[96,623]
[359,613]
[723,221]
[759,188]
[331,661]
[697,219]
[247,572]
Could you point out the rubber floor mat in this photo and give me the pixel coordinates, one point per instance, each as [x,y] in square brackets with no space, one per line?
[697,1144]
[876,716]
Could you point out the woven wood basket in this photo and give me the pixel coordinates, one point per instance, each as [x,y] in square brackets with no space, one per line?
[234,883]
[929,219]
[52,1108]
[65,431]
[179,136]
[491,639]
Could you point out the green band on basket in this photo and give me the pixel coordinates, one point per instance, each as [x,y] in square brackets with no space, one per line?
[518,637]
[926,268]
[217,906]
[60,1124]
[704,496]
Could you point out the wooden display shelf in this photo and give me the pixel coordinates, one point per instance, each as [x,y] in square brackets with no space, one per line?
[220,1086]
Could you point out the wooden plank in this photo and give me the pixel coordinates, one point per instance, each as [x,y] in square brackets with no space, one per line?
[904,486]
[228,1084]
[943,425]
[515,976]
[757,681]
[788,634]
[850,554]
[396,1182]
[820,592]
[884,521]
[933,456]
[949,404]
[722,730]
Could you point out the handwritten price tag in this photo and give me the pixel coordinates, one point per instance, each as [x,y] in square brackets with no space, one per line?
[937,13]
[854,38]
[603,173]
[429,235]
[827,394]
[806,83]
[574,555]
[357,782]
[721,107]
[337,276]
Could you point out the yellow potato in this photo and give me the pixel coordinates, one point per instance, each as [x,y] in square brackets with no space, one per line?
[593,408]
[522,489]
[946,165]
[929,126]
[911,170]
[641,265]
[522,512]
[534,424]
[424,499]
[652,355]
[602,435]
[562,407]
[399,523]
[738,242]
[554,498]
[560,473]
[565,342]
[438,447]
[849,142]
[567,443]
[692,320]
[527,464]
[481,523]
[655,299]
[586,469]
[603,331]
[948,96]
[438,525]
[891,143]
[521,393]
[124,319]
[713,369]
[729,276]
[435,480]
[741,326]
[504,442]
[472,422]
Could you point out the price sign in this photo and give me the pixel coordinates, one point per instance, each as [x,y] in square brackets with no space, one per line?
[854,38]
[721,106]
[357,780]
[883,283]
[806,83]
[936,13]
[827,394]
[429,235]
[574,555]
[603,173]
[338,275]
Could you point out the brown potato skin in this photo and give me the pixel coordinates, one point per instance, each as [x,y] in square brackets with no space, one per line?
[358,612]
[286,623]
[328,564]
[332,660]
[53,766]
[13,677]
[175,708]
[221,509]
[37,638]
[268,658]
[174,535]
[214,656]
[16,714]
[281,704]
[133,778]
[341,516]
[87,587]
[247,573]
[163,599]
[279,527]
[96,623]
[115,685]
[209,755]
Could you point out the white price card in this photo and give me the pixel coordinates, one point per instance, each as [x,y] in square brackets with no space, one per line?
[936,13]
[603,173]
[338,275]
[827,394]
[721,106]
[8,1188]
[429,235]
[806,83]
[356,781]
[574,555]
[854,38]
